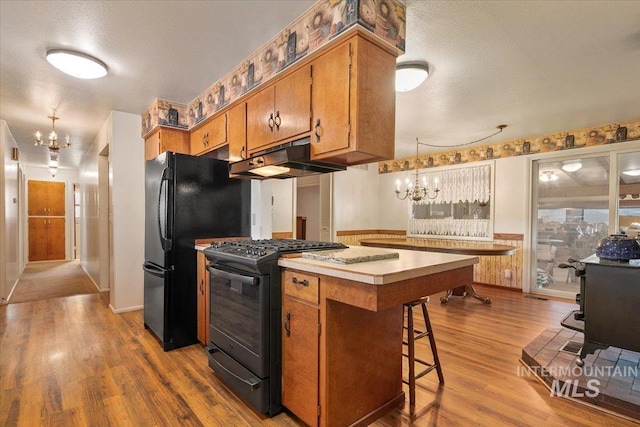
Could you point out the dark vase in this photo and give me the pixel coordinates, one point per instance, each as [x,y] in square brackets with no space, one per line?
[172,116]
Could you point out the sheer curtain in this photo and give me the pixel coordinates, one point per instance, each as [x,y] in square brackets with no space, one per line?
[471,184]
[461,185]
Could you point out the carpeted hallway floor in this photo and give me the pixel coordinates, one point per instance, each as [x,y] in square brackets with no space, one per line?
[51,280]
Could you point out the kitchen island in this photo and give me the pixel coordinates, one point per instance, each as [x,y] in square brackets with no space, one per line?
[465,247]
[342,330]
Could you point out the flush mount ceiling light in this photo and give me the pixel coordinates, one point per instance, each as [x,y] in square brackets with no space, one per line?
[571,166]
[410,76]
[77,64]
[632,172]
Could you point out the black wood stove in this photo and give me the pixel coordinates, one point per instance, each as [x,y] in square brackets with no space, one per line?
[609,300]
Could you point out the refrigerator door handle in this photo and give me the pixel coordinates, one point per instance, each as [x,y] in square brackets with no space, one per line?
[166,242]
[154,269]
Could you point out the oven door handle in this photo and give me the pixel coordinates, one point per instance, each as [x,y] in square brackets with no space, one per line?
[216,271]
[252,384]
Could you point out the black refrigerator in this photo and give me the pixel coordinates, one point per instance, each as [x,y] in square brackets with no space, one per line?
[186,198]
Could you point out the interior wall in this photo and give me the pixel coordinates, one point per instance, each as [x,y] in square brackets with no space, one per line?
[10,259]
[308,205]
[261,209]
[391,210]
[355,198]
[511,195]
[126,157]
[282,205]
[89,213]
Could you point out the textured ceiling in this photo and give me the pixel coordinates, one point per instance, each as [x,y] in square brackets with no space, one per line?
[539,67]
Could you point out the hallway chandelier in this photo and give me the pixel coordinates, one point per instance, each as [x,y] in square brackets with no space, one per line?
[53,137]
[415,191]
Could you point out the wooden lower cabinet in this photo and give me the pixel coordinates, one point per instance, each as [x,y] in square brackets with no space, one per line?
[46,238]
[203,299]
[300,357]
[341,364]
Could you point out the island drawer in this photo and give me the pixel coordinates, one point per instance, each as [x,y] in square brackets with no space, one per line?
[300,285]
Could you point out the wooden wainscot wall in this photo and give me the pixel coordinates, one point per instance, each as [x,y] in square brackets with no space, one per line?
[489,271]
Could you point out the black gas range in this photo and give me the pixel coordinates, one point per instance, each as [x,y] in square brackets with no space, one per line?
[245,316]
[257,252]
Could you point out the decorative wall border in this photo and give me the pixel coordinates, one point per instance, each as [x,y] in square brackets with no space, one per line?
[586,137]
[324,21]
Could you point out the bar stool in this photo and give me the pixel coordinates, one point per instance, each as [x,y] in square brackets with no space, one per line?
[413,335]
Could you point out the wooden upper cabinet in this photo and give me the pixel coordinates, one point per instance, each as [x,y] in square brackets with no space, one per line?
[211,135]
[166,139]
[237,128]
[330,100]
[280,112]
[353,102]
[46,198]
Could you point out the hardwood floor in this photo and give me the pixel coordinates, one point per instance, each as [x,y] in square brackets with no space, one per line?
[72,362]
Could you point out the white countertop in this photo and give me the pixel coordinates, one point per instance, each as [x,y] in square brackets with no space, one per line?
[409,265]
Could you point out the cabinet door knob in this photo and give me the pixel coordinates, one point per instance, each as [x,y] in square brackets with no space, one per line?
[271,122]
[242,153]
[277,120]
[318,130]
[304,282]
[287,320]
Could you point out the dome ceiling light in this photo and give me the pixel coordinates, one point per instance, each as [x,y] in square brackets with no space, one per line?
[77,64]
[571,166]
[632,172]
[410,75]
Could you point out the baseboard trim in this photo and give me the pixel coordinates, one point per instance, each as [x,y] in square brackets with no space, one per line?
[491,285]
[13,288]
[124,310]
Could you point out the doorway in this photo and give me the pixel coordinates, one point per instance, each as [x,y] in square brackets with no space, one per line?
[76,221]
[314,207]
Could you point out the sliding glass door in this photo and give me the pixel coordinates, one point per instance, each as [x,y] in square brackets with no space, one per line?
[629,193]
[577,201]
[572,215]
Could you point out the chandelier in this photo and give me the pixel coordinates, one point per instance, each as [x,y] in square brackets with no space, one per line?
[548,176]
[53,137]
[415,191]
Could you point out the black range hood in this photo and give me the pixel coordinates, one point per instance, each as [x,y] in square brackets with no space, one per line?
[285,161]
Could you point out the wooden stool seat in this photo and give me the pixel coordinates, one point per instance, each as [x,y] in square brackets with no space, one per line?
[413,335]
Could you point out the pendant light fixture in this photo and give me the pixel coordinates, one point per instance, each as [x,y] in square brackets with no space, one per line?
[52,145]
[414,191]
[77,64]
